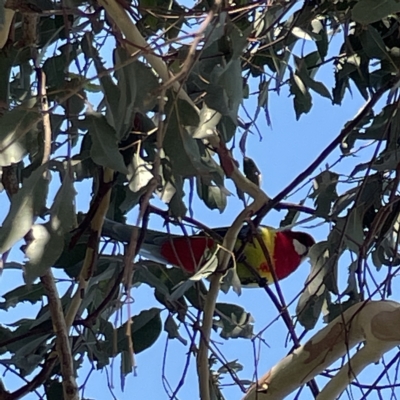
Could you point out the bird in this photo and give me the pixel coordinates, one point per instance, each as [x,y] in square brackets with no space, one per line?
[286,249]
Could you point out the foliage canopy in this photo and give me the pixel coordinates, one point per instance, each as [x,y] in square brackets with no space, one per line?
[145,99]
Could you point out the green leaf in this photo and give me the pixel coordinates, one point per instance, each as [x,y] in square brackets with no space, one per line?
[308,310]
[63,207]
[216,30]
[109,88]
[146,328]
[386,161]
[53,389]
[135,90]
[176,206]
[370,11]
[302,99]
[209,119]
[317,87]
[25,206]
[262,101]
[351,280]
[375,126]
[234,321]
[75,103]
[139,173]
[302,33]
[51,28]
[303,72]
[336,309]
[71,259]
[164,279]
[145,274]
[323,261]
[15,140]
[32,293]
[344,201]
[373,44]
[239,39]
[324,193]
[341,81]
[171,327]
[205,271]
[47,241]
[104,149]
[231,81]
[323,41]
[251,171]
[146,87]
[182,150]
[226,128]
[123,106]
[230,366]
[213,196]
[126,362]
[130,199]
[138,90]
[6,63]
[383,254]
[29,362]
[361,77]
[55,67]
[354,235]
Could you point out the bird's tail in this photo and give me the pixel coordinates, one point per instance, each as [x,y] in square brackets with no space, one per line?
[151,246]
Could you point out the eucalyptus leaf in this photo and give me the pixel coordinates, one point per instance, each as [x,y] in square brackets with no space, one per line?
[25,206]
[171,327]
[315,293]
[373,44]
[354,234]
[213,196]
[302,34]
[304,74]
[15,140]
[209,119]
[234,321]
[140,173]
[369,11]
[104,149]
[302,99]
[182,150]
[31,293]
[146,328]
[334,310]
[215,30]
[262,101]
[47,241]
[324,193]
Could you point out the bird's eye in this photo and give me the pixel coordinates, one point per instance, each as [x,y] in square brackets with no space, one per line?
[300,249]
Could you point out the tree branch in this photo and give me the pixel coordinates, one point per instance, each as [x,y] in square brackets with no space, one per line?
[34,383]
[91,251]
[373,322]
[246,186]
[70,388]
[367,108]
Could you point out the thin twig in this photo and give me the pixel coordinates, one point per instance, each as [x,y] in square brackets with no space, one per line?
[92,249]
[70,388]
[335,142]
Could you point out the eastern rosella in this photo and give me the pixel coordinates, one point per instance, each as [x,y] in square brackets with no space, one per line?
[287,250]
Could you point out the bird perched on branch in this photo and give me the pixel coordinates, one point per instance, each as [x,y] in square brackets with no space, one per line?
[286,250]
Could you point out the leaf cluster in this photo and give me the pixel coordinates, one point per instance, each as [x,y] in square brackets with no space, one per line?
[111,109]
